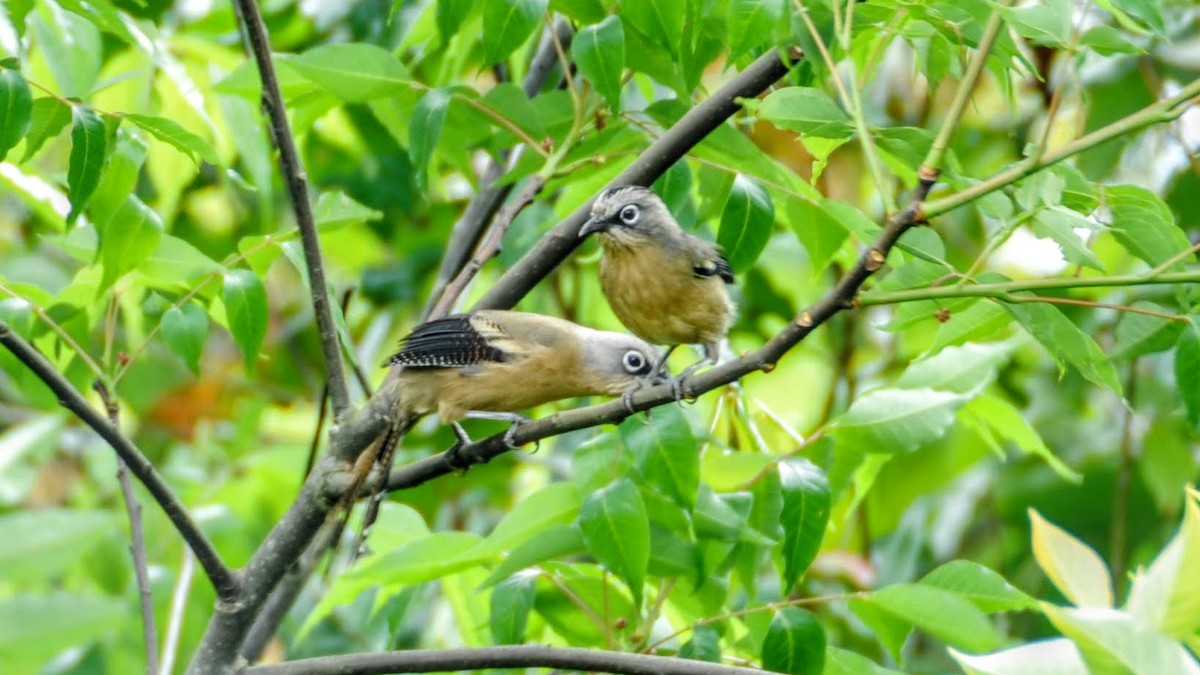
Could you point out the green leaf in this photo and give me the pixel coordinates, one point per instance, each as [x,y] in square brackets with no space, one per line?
[821,234]
[1045,23]
[583,11]
[943,614]
[896,420]
[1056,656]
[33,628]
[665,452]
[422,559]
[661,20]
[983,587]
[16,107]
[978,321]
[750,23]
[1144,225]
[555,504]
[353,72]
[716,518]
[1059,224]
[962,370]
[38,545]
[185,329]
[746,223]
[617,532]
[555,541]
[806,504]
[806,110]
[1187,372]
[89,144]
[705,645]
[1108,41]
[1140,334]
[1074,568]
[425,129]
[1114,642]
[173,133]
[599,52]
[246,308]
[48,117]
[794,643]
[337,209]
[507,24]
[1003,419]
[451,14]
[128,238]
[846,662]
[1166,595]
[511,603]
[1065,342]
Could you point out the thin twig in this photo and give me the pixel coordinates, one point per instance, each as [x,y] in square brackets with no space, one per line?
[223,579]
[465,235]
[187,570]
[1001,290]
[509,656]
[489,247]
[137,538]
[297,185]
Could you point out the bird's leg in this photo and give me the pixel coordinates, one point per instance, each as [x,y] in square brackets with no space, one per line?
[510,435]
[454,456]
[711,356]
[662,362]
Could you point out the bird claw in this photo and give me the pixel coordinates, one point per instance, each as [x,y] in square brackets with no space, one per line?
[510,437]
[458,461]
[680,391]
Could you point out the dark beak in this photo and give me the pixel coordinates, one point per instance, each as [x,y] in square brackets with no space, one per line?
[592,225]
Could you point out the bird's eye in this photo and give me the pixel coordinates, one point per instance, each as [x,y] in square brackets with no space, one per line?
[634,362]
[630,214]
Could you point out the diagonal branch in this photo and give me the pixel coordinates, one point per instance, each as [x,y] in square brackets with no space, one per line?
[223,579]
[509,656]
[465,234]
[297,185]
[692,128]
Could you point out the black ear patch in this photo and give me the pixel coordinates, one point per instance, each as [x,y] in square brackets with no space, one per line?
[718,267]
[451,342]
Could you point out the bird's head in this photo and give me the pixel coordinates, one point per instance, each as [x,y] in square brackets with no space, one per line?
[629,215]
[618,361]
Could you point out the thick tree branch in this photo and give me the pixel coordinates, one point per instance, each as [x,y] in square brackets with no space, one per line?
[700,121]
[291,535]
[511,656]
[223,579]
[297,185]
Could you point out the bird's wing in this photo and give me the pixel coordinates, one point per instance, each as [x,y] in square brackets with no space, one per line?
[453,342]
[707,261]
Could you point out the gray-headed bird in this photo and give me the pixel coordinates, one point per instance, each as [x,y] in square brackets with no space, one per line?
[491,363]
[665,285]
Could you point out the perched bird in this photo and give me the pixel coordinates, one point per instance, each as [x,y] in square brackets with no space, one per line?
[491,363]
[665,285]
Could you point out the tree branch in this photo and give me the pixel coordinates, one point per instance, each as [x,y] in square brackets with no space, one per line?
[700,121]
[224,581]
[1004,290]
[297,185]
[137,539]
[465,234]
[509,656]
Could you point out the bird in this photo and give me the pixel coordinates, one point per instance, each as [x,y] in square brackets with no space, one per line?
[488,364]
[667,286]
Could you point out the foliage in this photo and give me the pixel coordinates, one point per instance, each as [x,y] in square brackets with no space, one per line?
[983,465]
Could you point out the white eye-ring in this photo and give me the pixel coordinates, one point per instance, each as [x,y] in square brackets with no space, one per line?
[634,362]
[630,214]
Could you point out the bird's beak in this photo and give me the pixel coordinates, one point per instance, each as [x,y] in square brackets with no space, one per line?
[592,225]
